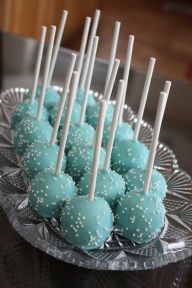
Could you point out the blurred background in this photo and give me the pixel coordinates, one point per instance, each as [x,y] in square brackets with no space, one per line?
[162,28]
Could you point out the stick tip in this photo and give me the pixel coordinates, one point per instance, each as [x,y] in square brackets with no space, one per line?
[65,12]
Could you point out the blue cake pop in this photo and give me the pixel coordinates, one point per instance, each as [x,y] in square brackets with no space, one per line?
[25,109]
[49,192]
[80,95]
[38,157]
[74,117]
[135,178]
[79,160]
[29,131]
[86,224]
[140,216]
[92,114]
[79,134]
[128,154]
[123,131]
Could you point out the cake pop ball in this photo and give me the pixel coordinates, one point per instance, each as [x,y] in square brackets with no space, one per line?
[74,117]
[30,130]
[79,134]
[92,114]
[51,99]
[86,224]
[80,95]
[109,185]
[140,216]
[123,131]
[135,178]
[38,157]
[27,109]
[128,154]
[79,160]
[49,192]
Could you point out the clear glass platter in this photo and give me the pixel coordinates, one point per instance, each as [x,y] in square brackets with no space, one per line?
[118,253]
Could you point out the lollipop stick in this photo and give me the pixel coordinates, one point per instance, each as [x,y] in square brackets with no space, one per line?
[113,52]
[46,71]
[66,124]
[144,97]
[98,141]
[83,44]
[57,44]
[111,82]
[126,73]
[63,98]
[154,143]
[167,87]
[114,124]
[88,80]
[38,63]
[90,44]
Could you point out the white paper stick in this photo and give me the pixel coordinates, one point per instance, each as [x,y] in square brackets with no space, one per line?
[159,117]
[144,97]
[90,44]
[46,72]
[88,80]
[111,82]
[114,124]
[167,87]
[126,72]
[83,44]
[71,99]
[63,98]
[98,141]
[57,44]
[113,52]
[38,63]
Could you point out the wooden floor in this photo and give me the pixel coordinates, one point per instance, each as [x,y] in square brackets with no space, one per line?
[164,34]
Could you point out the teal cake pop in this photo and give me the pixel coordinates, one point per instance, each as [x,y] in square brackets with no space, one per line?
[49,192]
[134,180]
[140,216]
[79,134]
[82,133]
[109,185]
[74,117]
[29,106]
[52,97]
[80,95]
[79,160]
[25,109]
[28,131]
[86,224]
[86,221]
[153,181]
[31,130]
[40,156]
[92,114]
[123,131]
[128,154]
[50,189]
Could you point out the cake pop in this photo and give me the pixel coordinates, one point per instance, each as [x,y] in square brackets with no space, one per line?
[29,106]
[50,189]
[86,221]
[110,185]
[123,130]
[82,133]
[135,178]
[40,156]
[80,156]
[140,214]
[93,112]
[131,153]
[31,130]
